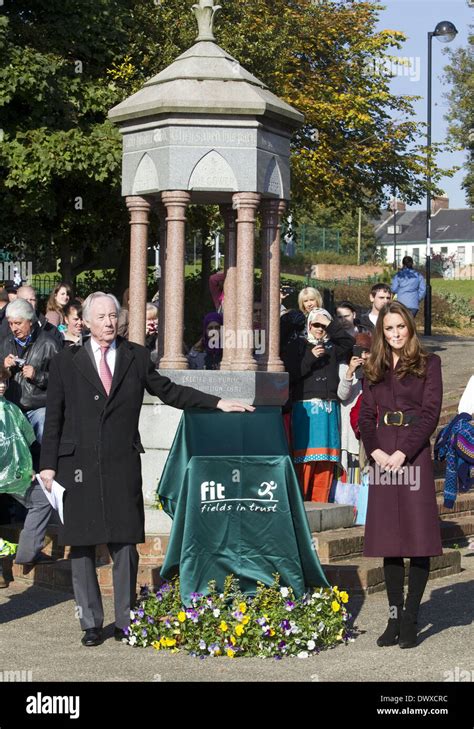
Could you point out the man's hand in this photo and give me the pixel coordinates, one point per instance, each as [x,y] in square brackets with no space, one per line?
[380,458]
[28,372]
[47,477]
[9,361]
[395,461]
[232,406]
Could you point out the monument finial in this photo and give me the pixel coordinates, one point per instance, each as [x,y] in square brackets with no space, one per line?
[204,12]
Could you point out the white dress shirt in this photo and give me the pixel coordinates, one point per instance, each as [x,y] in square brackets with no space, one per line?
[110,355]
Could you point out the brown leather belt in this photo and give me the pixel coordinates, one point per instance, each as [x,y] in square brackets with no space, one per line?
[398,418]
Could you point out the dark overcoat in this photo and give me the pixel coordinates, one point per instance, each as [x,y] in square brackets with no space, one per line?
[93,444]
[402,517]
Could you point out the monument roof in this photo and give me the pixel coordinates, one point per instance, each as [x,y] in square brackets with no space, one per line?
[205,80]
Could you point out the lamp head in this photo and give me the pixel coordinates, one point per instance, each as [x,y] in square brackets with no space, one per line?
[445,31]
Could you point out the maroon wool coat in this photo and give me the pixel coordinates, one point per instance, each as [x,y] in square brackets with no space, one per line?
[402,518]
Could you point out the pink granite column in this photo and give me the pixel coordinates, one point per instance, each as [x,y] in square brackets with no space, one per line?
[162,282]
[139,208]
[246,204]
[272,210]
[176,203]
[230,285]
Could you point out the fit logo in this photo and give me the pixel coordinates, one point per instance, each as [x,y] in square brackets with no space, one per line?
[210,491]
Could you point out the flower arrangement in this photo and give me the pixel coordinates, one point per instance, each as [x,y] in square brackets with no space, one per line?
[272,623]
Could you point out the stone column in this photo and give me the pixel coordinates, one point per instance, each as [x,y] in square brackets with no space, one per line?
[272,210]
[176,203]
[230,285]
[139,208]
[246,204]
[162,282]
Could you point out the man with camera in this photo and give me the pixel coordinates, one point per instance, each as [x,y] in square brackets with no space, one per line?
[27,352]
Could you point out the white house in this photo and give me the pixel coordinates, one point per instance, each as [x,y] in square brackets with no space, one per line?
[403,233]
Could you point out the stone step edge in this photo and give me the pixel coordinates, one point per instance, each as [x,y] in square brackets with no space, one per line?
[324,541]
[56,576]
[370,578]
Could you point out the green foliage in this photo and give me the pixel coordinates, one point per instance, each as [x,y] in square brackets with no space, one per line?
[64,64]
[459,73]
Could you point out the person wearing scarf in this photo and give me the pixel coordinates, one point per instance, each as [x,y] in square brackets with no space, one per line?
[207,352]
[313,364]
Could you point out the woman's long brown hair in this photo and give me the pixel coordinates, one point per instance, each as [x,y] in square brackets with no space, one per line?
[52,304]
[412,357]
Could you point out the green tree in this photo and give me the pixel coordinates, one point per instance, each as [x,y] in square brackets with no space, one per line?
[64,64]
[460,74]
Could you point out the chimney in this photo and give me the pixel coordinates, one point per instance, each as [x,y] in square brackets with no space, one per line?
[398,205]
[439,202]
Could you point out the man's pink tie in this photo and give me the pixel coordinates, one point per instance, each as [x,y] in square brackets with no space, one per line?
[104,370]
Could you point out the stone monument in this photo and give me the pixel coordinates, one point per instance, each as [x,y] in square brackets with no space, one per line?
[206,131]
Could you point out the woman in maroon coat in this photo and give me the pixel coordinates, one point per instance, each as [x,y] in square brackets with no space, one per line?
[400,408]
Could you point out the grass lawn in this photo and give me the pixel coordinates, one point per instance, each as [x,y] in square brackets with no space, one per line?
[460,288]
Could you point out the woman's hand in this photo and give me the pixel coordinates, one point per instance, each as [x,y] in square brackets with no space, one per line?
[232,406]
[318,351]
[395,461]
[353,365]
[380,457]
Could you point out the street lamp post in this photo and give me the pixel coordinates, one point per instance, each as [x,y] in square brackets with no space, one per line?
[445,32]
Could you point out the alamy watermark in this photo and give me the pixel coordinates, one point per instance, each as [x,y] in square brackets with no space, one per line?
[17,272]
[403,66]
[409,476]
[237,339]
[16,676]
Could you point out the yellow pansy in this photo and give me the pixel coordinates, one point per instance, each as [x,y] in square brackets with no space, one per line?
[245,620]
[232,640]
[339,635]
[344,597]
[242,607]
[223,626]
[239,629]
[335,606]
[181,616]
[230,653]
[272,632]
[156,645]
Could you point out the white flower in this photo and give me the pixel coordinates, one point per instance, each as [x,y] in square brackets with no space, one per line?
[303,654]
[321,626]
[297,641]
[284,591]
[318,608]
[311,645]
[132,615]
[216,612]
[133,640]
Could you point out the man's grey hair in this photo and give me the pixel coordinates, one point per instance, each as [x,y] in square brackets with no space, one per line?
[86,306]
[21,309]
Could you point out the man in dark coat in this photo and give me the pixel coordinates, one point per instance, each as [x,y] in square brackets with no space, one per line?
[91,445]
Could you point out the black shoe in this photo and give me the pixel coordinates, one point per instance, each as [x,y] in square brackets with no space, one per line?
[92,636]
[119,634]
[391,633]
[408,631]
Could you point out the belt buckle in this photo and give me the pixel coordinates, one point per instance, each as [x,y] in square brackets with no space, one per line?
[395,412]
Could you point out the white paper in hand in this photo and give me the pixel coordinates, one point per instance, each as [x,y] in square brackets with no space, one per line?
[55,496]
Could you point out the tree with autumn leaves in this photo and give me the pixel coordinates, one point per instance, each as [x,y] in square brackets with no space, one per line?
[64,64]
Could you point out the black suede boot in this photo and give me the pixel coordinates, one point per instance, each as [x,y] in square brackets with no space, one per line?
[417,579]
[394,571]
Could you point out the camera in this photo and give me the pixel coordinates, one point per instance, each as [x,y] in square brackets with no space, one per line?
[20,363]
[357,350]
[287,290]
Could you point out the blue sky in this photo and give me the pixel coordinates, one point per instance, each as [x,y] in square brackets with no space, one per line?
[415,18]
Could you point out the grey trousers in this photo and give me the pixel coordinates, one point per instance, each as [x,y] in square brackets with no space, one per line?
[86,586]
[40,514]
